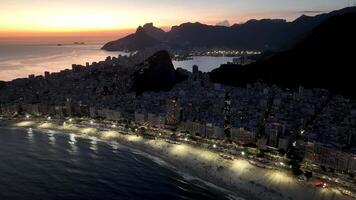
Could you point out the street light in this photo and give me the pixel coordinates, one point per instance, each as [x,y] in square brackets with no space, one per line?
[70,120]
[91,122]
[243,153]
[49,118]
[27,116]
[214,146]
[186,139]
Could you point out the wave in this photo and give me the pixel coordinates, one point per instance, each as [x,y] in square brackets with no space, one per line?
[115,145]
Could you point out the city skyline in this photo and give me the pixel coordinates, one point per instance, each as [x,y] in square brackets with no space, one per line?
[108,17]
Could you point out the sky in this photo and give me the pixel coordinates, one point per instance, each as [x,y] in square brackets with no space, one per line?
[110,17]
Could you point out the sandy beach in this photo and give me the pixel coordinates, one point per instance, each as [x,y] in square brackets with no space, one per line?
[238,177]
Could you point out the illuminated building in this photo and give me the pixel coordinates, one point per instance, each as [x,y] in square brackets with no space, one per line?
[173,112]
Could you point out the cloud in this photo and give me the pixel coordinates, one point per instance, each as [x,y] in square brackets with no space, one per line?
[310,12]
[223,23]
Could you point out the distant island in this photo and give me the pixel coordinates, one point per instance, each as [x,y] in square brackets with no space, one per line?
[74,43]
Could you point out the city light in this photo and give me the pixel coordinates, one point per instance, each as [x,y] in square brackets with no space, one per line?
[91,122]
[49,118]
[70,120]
[27,116]
[240,166]
[186,139]
[88,131]
[243,153]
[281,163]
[110,135]
[25,123]
[113,126]
[45,125]
[214,146]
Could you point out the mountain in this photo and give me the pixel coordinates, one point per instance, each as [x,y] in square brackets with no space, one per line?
[322,59]
[157,73]
[133,42]
[154,32]
[265,34]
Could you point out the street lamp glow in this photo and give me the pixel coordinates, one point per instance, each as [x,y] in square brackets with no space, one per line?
[91,122]
[243,153]
[27,116]
[49,118]
[113,126]
[186,139]
[214,146]
[281,163]
[70,120]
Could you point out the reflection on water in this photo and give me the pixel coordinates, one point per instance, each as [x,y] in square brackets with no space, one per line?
[93,144]
[30,134]
[21,60]
[114,146]
[72,141]
[205,63]
[52,139]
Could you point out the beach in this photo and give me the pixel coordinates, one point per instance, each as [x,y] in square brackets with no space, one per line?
[237,176]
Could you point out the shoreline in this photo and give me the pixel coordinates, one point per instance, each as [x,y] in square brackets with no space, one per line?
[236,176]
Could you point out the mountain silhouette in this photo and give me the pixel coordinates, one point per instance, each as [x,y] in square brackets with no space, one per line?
[264,34]
[324,58]
[133,42]
[157,73]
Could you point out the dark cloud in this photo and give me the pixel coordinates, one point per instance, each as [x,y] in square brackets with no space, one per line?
[310,12]
[223,23]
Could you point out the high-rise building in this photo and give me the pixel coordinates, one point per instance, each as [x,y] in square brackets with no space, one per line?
[173,111]
[273,132]
[227,115]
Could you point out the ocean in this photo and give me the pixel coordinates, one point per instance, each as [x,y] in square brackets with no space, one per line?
[51,165]
[19,61]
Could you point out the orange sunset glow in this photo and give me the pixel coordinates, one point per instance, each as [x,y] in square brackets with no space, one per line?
[107,18]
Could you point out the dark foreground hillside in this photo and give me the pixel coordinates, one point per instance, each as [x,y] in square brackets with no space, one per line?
[325,58]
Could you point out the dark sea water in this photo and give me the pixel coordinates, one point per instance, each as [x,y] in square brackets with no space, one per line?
[38,165]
